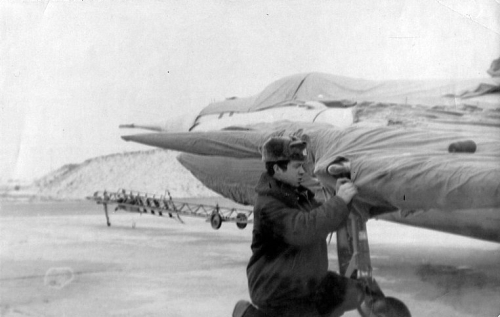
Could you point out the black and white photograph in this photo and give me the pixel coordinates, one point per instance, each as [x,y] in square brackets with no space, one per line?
[250,158]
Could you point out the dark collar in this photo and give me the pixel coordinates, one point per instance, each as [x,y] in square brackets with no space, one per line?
[290,195]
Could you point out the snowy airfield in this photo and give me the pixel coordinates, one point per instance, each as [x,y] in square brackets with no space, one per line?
[60,259]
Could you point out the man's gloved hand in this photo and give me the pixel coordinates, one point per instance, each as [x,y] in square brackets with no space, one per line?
[346,189]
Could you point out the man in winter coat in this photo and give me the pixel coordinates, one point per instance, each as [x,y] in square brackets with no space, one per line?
[288,271]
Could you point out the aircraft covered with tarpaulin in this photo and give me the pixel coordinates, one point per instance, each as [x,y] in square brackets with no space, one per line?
[423,153]
[398,145]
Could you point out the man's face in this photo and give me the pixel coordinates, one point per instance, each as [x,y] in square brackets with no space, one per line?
[293,174]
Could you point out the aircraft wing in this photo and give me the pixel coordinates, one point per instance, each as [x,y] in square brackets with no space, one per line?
[394,167]
[236,144]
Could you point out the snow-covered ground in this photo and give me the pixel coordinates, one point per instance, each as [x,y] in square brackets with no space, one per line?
[60,259]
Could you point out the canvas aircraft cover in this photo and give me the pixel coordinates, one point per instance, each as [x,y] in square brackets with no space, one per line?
[393,167]
[482,93]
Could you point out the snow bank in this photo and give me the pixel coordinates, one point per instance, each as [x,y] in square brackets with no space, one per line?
[152,171]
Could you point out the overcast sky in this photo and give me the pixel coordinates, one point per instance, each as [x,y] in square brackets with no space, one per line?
[72,71]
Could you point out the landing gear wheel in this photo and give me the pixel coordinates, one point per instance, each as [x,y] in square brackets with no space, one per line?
[216,220]
[384,307]
[241,221]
